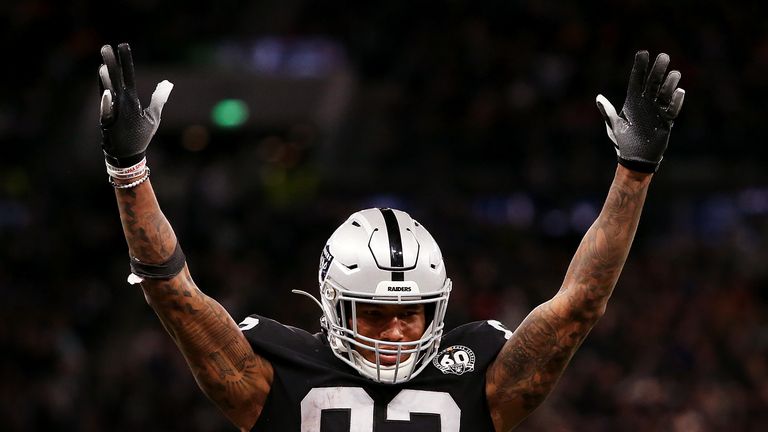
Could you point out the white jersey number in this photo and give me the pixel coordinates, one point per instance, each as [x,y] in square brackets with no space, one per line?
[500,327]
[360,406]
[248,323]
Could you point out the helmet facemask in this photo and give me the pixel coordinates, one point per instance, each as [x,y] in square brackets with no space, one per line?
[365,262]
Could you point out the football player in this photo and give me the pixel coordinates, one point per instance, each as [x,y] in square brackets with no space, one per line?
[383,361]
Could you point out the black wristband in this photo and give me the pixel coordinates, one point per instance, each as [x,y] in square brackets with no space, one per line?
[166,270]
[124,162]
[640,166]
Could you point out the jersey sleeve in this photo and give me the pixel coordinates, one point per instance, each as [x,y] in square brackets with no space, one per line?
[482,341]
[276,341]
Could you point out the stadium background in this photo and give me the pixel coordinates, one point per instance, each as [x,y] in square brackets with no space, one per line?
[476,117]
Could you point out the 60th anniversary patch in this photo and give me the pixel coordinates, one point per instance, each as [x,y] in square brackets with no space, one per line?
[456,359]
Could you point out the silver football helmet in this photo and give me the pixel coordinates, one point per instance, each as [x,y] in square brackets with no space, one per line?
[382,256]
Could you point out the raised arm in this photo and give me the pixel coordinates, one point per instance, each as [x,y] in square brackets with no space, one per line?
[532,360]
[222,361]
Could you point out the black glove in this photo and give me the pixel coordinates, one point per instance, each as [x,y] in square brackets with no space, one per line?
[641,131]
[126,128]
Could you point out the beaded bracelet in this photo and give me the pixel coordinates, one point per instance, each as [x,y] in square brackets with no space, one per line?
[132,184]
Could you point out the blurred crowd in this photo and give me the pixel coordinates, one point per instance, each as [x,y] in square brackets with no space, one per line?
[476,117]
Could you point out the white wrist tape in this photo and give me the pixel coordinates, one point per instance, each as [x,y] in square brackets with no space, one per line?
[128,173]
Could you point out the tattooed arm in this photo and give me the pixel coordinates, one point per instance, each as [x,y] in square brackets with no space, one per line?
[218,354]
[221,359]
[532,360]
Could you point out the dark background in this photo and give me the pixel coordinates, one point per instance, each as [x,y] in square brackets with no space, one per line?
[476,117]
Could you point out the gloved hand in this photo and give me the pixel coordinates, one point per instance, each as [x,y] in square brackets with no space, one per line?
[640,132]
[126,128]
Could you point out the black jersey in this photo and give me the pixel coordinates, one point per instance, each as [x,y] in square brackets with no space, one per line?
[314,391]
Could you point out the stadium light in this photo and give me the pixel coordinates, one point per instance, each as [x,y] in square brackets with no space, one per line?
[229,113]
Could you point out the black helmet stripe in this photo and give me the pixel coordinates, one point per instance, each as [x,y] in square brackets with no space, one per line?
[395,243]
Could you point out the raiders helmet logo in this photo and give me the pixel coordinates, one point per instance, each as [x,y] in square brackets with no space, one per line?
[325,263]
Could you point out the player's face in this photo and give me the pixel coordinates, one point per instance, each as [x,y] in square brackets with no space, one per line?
[392,323]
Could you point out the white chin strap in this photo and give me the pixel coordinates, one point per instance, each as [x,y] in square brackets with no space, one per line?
[385,374]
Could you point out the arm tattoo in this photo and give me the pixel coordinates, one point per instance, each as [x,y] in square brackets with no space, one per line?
[596,266]
[532,360]
[221,359]
[223,363]
[149,235]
